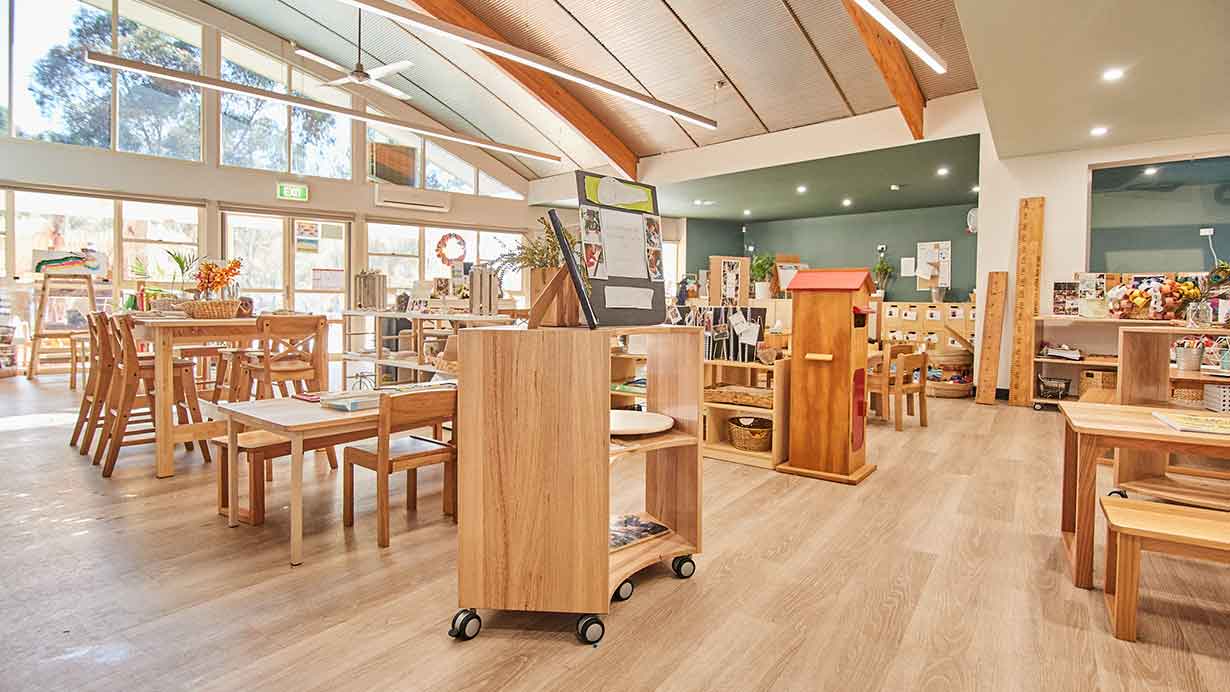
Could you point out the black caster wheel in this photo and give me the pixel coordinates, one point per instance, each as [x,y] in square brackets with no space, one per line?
[1037,407]
[590,629]
[683,566]
[624,592]
[1118,493]
[466,625]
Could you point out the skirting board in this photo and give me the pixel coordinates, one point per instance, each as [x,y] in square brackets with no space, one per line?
[851,479]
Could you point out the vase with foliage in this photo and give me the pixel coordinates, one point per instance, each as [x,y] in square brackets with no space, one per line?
[761,269]
[539,253]
[882,273]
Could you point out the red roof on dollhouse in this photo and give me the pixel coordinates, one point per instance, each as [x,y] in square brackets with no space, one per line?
[831,280]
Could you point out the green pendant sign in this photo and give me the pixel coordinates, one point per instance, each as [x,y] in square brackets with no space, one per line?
[293,192]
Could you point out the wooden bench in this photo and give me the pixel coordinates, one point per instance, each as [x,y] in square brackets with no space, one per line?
[1136,525]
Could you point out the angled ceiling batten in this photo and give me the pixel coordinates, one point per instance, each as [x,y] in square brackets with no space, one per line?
[823,63]
[890,58]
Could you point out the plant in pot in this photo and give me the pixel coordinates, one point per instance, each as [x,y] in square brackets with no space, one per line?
[539,253]
[882,273]
[761,269]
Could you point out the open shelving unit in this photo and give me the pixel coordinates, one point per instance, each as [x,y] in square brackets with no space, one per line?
[424,326]
[535,458]
[776,377]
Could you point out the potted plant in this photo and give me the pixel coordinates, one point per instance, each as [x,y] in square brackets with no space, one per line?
[761,269]
[882,273]
[540,254]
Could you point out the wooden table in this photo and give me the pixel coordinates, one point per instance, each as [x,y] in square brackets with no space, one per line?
[164,333]
[296,420]
[1091,428]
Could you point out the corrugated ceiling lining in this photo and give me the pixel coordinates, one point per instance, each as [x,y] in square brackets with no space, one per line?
[759,45]
[936,21]
[545,28]
[839,43]
[660,40]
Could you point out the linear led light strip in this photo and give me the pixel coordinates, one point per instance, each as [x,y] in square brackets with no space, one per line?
[898,28]
[113,62]
[423,22]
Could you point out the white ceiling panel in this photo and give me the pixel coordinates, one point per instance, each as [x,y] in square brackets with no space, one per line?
[838,42]
[937,23]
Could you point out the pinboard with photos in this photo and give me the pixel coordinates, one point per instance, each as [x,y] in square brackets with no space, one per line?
[621,249]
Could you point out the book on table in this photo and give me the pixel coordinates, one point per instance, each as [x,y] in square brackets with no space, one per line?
[1195,422]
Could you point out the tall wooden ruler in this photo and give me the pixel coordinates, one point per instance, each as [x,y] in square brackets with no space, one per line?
[992,336]
[1025,304]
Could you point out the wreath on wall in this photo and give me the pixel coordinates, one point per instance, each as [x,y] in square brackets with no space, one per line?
[442,248]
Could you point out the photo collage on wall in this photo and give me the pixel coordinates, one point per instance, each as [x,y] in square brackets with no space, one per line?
[731,333]
[593,248]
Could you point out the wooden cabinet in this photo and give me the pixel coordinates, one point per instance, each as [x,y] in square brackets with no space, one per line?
[776,378]
[535,454]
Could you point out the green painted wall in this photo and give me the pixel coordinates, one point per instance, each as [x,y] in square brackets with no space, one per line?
[1155,249]
[850,240]
[708,237]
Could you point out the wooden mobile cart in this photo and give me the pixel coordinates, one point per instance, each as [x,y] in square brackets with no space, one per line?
[534,468]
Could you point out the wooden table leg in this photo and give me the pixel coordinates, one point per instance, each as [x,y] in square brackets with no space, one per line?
[1088,447]
[164,401]
[1067,519]
[232,471]
[322,357]
[296,500]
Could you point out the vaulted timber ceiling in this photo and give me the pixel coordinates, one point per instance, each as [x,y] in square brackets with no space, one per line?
[755,66]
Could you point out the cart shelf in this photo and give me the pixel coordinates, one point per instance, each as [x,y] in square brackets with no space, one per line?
[627,446]
[630,559]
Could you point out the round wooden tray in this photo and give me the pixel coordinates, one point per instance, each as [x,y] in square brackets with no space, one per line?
[639,422]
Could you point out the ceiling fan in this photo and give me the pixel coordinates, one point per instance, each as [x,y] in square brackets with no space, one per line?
[371,78]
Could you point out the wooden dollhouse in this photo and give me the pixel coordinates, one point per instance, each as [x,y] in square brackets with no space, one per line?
[828,382]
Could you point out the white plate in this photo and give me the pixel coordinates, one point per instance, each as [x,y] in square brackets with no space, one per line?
[639,422]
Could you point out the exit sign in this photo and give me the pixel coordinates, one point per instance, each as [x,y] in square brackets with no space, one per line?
[293,192]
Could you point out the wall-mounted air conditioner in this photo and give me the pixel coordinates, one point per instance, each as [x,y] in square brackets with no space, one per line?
[402,197]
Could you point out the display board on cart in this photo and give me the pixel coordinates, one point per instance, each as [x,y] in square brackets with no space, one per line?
[621,250]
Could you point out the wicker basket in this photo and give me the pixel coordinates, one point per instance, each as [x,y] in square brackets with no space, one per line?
[210,309]
[739,394]
[750,433]
[949,390]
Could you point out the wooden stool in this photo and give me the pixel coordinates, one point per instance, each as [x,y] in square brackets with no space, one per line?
[905,389]
[130,375]
[1136,525]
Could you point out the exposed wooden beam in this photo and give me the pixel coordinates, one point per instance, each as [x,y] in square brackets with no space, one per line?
[543,86]
[886,50]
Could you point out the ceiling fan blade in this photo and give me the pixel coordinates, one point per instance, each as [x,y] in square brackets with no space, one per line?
[339,82]
[391,91]
[391,68]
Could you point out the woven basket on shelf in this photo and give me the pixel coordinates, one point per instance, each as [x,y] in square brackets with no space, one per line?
[739,394]
[210,309]
[750,433]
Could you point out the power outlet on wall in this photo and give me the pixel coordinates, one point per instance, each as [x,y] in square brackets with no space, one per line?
[1206,232]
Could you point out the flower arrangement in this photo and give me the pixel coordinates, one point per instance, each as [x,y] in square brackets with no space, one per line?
[214,278]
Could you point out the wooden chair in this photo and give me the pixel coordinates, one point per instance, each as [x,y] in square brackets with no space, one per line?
[879,380]
[905,389]
[229,383]
[97,382]
[131,374]
[1133,526]
[287,355]
[387,456]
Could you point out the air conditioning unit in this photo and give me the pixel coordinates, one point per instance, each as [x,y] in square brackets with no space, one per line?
[402,197]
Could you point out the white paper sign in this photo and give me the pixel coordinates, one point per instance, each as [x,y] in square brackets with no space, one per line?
[907,266]
[629,296]
[324,279]
[625,246]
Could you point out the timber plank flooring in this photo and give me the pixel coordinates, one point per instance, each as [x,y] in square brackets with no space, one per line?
[943,571]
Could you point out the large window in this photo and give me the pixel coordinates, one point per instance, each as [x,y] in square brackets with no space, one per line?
[57,96]
[320,266]
[491,187]
[387,165]
[254,131]
[483,246]
[61,222]
[151,234]
[435,267]
[259,242]
[157,116]
[394,250]
[320,142]
[490,246]
[447,172]
[4,244]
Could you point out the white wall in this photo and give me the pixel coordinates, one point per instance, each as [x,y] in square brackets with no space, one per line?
[1063,179]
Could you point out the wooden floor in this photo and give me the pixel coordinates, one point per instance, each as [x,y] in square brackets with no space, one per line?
[943,571]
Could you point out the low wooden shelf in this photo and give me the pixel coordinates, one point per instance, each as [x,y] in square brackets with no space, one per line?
[716,443]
